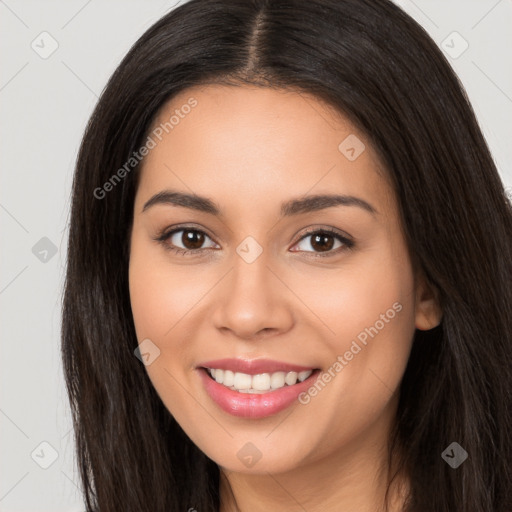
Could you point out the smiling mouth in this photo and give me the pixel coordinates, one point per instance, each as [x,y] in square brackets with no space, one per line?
[260,383]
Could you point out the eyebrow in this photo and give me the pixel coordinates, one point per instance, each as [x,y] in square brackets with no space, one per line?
[289,208]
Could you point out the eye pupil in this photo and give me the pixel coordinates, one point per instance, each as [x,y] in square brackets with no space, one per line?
[194,237]
[319,242]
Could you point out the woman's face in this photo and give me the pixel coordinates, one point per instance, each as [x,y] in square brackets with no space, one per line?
[264,287]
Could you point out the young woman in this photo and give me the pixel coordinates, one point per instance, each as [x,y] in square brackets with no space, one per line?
[289,268]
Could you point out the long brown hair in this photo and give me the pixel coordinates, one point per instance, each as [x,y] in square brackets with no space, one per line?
[377,66]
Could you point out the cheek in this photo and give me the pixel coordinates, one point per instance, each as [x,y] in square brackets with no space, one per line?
[162,294]
[348,300]
[165,299]
[368,314]
[371,312]
[161,297]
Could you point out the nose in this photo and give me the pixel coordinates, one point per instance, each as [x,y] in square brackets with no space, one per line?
[252,302]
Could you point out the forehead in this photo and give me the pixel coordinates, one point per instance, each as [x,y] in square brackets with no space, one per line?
[259,144]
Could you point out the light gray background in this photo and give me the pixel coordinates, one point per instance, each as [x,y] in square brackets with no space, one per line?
[45,104]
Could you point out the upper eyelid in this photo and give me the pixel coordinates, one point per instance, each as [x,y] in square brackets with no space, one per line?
[173,231]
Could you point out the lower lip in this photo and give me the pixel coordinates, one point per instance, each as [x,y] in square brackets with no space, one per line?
[254,405]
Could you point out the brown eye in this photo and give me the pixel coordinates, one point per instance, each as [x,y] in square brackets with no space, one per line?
[184,240]
[322,241]
[192,239]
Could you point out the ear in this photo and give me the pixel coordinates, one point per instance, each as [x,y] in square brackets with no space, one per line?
[428,313]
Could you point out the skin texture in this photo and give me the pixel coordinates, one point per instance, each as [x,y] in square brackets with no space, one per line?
[249,149]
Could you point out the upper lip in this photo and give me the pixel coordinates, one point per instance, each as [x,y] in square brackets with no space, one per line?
[253,366]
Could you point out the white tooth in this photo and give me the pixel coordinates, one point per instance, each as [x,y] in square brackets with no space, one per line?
[291,378]
[229,378]
[261,382]
[277,380]
[302,375]
[242,381]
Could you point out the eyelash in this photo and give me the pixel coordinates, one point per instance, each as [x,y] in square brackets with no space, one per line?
[165,235]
